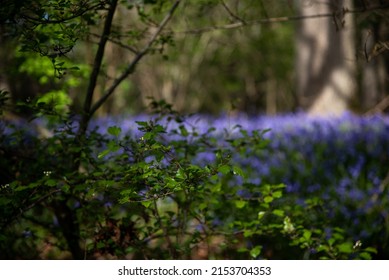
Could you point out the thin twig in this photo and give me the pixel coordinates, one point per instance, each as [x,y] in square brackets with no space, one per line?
[117,42]
[230,12]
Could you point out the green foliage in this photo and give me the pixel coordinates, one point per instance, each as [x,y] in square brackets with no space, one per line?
[52,28]
[55,100]
[149,197]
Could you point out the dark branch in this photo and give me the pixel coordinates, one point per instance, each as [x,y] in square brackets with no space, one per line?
[230,12]
[96,68]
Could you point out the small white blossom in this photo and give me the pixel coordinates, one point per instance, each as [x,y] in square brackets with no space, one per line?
[357,244]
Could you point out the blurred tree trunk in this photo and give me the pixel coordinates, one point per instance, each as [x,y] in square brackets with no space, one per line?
[374,67]
[325,61]
[370,75]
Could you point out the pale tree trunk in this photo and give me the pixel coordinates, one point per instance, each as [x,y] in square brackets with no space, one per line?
[325,61]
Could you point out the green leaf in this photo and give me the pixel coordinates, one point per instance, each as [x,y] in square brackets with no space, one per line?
[346,247]
[240,203]
[146,203]
[254,252]
[278,212]
[202,206]
[365,256]
[141,124]
[279,186]
[171,183]
[277,194]
[323,248]
[268,199]
[261,214]
[225,169]
[370,250]
[180,174]
[114,130]
[307,234]
[248,233]
[29,186]
[149,135]
[238,171]
[183,130]
[265,205]
[103,153]
[51,183]
[112,147]
[216,188]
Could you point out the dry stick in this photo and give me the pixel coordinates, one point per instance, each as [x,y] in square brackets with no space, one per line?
[130,68]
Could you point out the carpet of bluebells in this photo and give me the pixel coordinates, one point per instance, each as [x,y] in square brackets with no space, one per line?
[342,162]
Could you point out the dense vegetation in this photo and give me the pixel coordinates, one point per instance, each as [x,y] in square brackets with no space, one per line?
[181,187]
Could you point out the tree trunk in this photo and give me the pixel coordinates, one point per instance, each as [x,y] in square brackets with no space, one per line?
[325,61]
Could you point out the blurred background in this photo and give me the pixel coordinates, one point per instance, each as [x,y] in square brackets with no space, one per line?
[251,56]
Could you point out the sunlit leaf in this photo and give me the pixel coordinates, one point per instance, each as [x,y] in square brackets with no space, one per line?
[240,203]
[256,251]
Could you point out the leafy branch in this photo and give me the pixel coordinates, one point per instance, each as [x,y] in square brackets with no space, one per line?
[75,14]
